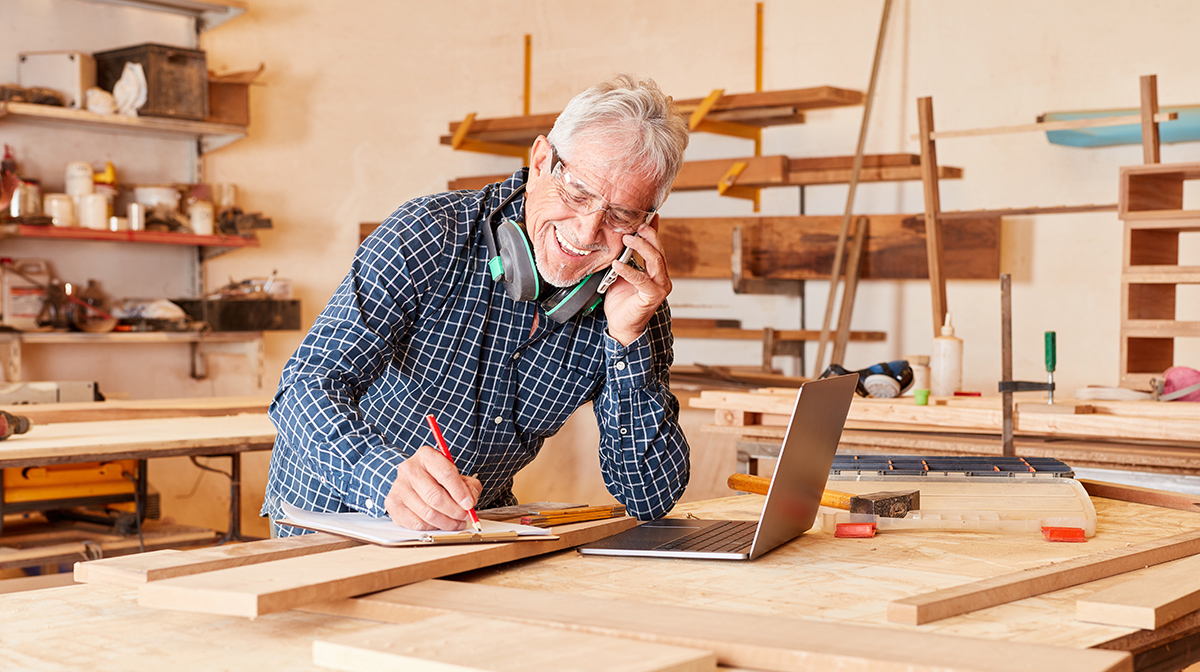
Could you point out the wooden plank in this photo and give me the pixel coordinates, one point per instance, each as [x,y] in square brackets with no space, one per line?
[1140,495]
[264,588]
[142,409]
[761,171]
[458,642]
[760,642]
[131,439]
[1149,600]
[802,248]
[1063,125]
[68,546]
[780,334]
[934,247]
[1149,118]
[140,569]
[764,171]
[36,583]
[939,604]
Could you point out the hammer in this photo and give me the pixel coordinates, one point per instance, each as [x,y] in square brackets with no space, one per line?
[885,504]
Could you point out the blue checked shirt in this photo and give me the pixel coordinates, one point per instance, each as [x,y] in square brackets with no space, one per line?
[418,326]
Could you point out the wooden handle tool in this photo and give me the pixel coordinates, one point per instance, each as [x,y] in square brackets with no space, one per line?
[886,504]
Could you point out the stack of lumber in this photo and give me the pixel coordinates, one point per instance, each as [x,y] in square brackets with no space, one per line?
[1142,435]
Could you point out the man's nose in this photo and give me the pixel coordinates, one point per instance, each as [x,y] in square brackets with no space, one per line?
[592,225]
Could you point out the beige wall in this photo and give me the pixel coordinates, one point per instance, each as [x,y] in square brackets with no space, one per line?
[357,92]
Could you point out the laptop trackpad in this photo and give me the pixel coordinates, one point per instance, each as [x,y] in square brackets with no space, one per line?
[652,534]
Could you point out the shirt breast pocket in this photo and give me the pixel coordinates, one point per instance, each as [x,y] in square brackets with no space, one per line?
[548,392]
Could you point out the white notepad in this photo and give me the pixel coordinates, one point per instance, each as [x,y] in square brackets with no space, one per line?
[384,532]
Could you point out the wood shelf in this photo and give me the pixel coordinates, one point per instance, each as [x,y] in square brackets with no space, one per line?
[212,135]
[208,13]
[764,108]
[772,171]
[153,237]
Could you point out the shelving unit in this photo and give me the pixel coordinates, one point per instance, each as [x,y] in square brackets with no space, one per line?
[207,136]
[1152,208]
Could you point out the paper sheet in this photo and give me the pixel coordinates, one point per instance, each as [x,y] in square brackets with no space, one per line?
[384,531]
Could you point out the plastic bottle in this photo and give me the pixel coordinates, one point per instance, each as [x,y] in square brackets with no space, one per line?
[920,369]
[945,362]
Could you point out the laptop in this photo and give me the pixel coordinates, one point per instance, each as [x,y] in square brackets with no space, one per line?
[792,500]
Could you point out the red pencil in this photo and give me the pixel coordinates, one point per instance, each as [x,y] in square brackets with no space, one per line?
[437,434]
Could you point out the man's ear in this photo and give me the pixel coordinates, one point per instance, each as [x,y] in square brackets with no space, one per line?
[539,158]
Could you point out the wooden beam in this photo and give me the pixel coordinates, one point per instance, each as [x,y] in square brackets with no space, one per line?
[761,171]
[264,588]
[802,248]
[781,335]
[136,570]
[939,604]
[1149,118]
[1064,125]
[1140,495]
[846,309]
[760,642]
[1149,600]
[933,206]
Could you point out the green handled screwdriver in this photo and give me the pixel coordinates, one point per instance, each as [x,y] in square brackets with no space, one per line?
[1051,356]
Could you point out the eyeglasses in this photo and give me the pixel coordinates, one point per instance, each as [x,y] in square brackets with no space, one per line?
[620,219]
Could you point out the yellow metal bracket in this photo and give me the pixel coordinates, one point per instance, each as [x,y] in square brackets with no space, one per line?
[727,186]
[460,141]
[698,121]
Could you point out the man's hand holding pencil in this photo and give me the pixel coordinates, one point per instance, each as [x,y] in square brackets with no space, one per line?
[430,494]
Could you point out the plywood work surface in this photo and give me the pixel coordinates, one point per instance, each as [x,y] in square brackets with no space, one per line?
[852,580]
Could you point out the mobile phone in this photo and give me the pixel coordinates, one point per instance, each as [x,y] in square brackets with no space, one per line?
[612,276]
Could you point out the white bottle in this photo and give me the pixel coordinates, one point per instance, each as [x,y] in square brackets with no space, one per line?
[945,362]
[920,368]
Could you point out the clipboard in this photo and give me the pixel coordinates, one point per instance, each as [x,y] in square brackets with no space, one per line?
[383,532]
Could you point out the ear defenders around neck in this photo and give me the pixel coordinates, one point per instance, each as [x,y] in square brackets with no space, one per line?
[512,263]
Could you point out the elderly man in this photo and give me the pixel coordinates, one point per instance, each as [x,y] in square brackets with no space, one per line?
[483,308]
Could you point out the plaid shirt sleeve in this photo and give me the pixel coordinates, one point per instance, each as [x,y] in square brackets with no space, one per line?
[644,456]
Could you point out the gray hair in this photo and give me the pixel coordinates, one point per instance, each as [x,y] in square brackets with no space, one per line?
[633,117]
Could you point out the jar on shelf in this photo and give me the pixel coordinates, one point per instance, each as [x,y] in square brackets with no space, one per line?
[95,315]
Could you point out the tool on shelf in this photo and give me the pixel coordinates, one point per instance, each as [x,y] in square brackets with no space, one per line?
[13,424]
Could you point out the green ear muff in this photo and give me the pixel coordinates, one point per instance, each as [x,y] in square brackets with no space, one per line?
[521,279]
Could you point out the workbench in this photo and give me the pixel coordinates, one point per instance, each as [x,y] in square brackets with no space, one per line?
[812,580]
[144,430]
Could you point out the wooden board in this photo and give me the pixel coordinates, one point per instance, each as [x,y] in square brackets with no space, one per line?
[259,589]
[940,604]
[1150,496]
[143,568]
[762,108]
[761,171]
[69,542]
[131,439]
[761,642]
[458,642]
[802,248]
[1149,599]
[41,414]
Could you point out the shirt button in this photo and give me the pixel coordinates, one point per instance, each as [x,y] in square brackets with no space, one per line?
[516,355]
[321,479]
[624,431]
[367,503]
[620,366]
[498,420]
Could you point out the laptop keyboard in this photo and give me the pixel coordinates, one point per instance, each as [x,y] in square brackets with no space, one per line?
[730,536]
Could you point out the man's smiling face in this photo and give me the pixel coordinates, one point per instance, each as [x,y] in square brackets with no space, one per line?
[568,245]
